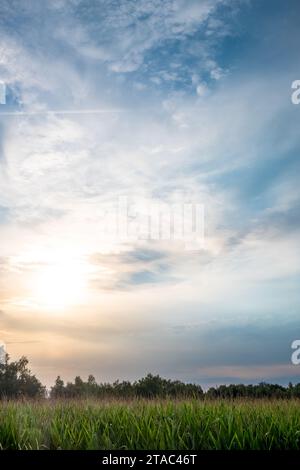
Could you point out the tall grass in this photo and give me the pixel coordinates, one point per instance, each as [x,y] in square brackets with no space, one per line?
[158,425]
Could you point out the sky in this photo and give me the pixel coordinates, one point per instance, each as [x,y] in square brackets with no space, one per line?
[148,104]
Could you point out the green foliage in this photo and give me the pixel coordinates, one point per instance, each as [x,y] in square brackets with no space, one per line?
[150,424]
[154,386]
[151,386]
[262,390]
[151,413]
[17,381]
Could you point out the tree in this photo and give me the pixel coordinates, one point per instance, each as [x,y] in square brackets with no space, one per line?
[91,380]
[150,386]
[17,381]
[58,390]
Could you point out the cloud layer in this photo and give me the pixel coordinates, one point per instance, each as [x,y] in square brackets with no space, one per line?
[164,102]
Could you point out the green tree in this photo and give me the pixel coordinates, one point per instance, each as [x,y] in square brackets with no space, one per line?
[16,380]
[58,390]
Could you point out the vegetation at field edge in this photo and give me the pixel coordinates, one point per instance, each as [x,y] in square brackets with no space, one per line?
[150,424]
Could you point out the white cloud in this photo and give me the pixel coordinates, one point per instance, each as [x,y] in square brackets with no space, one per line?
[122,37]
[57,171]
[201,89]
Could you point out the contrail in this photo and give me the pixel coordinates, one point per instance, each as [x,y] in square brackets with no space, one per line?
[21,342]
[63,111]
[3,343]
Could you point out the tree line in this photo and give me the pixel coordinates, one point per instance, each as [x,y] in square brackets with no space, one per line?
[17,381]
[151,386]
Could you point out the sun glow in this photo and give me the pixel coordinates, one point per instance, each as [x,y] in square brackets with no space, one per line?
[59,286]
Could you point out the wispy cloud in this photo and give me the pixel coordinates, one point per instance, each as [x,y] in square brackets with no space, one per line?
[150,100]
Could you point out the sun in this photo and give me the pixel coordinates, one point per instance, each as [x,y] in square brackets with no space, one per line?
[59,286]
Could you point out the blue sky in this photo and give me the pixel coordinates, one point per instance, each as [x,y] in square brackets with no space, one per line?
[169,101]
